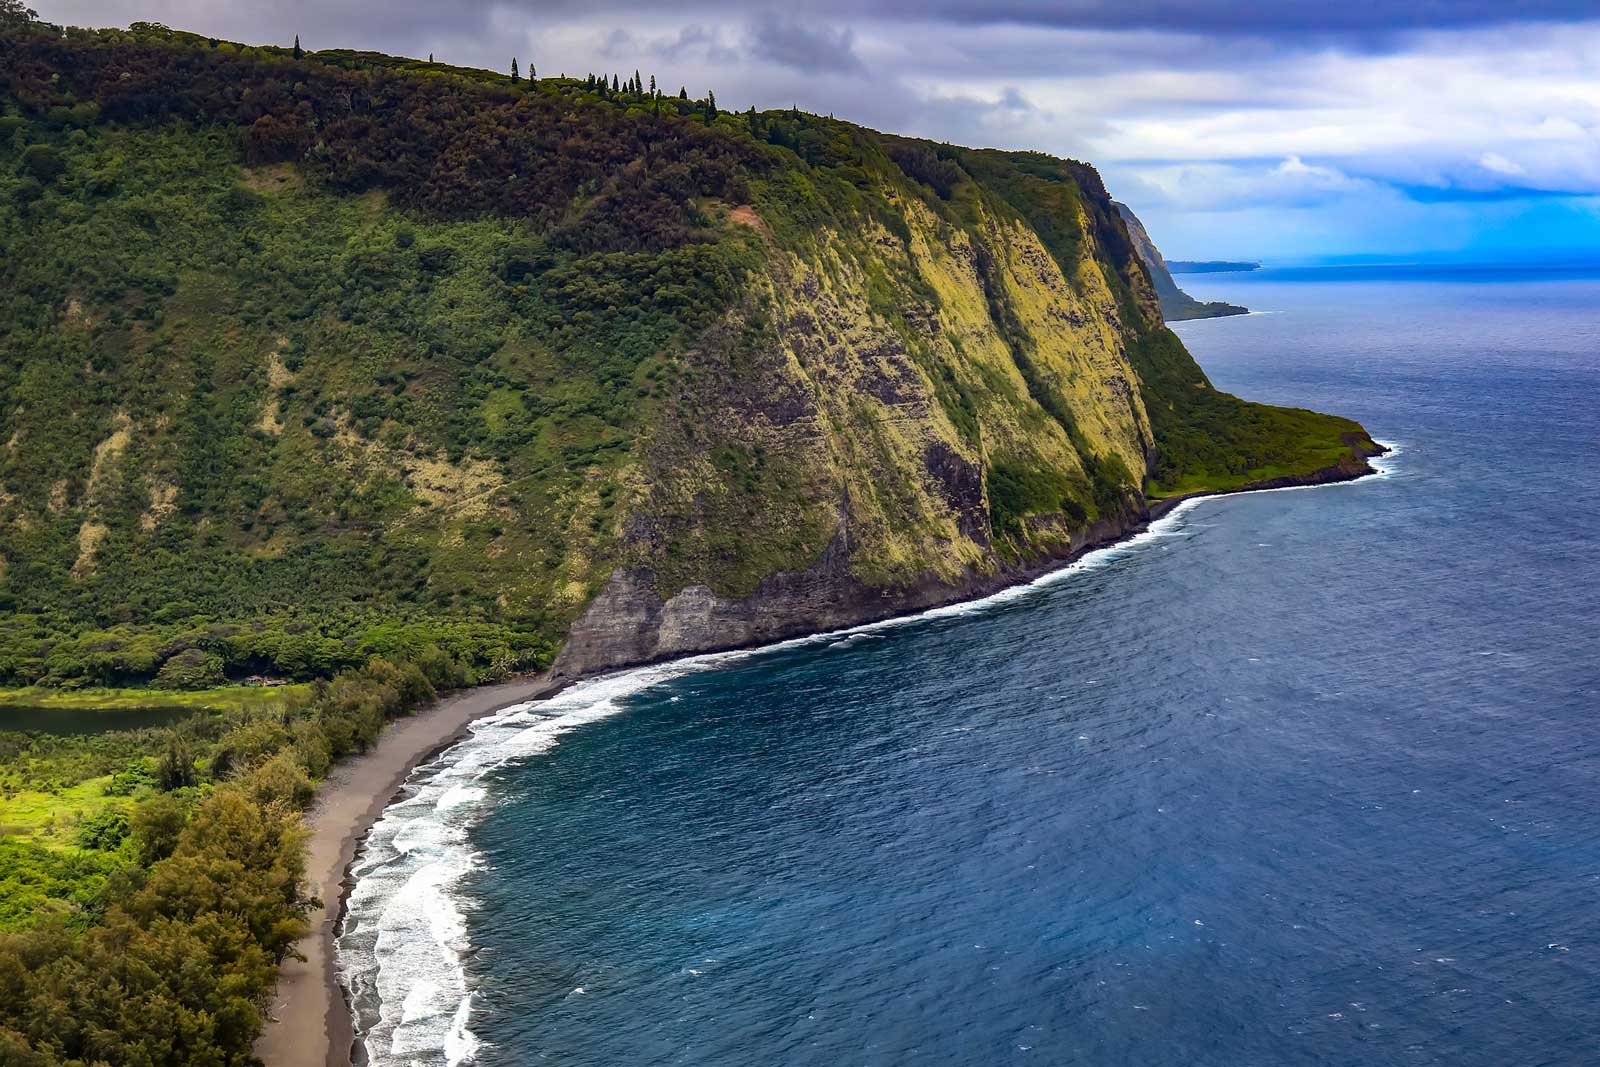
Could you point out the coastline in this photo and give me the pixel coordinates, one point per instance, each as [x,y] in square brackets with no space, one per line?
[309,1021]
[309,1024]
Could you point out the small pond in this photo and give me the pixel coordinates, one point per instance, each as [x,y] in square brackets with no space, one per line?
[73,722]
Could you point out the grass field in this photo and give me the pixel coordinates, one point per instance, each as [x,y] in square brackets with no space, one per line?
[223,698]
[53,819]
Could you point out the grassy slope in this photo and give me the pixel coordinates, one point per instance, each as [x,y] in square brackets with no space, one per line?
[1210,441]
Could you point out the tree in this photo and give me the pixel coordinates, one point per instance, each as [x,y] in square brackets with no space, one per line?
[12,13]
[176,769]
[430,58]
[638,83]
[711,107]
[42,161]
[157,824]
[652,85]
[615,87]
[297,52]
[513,70]
[532,74]
[683,92]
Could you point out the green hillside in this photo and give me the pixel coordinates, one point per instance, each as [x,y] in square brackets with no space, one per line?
[307,360]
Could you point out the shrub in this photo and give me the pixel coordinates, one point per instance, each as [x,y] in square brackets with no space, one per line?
[176,769]
[156,826]
[104,831]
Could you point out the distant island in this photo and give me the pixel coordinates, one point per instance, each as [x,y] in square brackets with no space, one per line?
[1176,305]
[1208,266]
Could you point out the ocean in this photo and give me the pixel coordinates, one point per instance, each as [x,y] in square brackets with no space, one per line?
[1297,777]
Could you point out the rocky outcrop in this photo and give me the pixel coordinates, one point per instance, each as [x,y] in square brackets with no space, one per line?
[629,623]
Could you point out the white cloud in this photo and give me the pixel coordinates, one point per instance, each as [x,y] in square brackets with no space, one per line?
[1498,164]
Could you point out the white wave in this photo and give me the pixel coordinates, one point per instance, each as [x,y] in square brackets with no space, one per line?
[402,946]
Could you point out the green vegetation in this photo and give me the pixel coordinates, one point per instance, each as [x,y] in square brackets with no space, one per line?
[316,363]
[411,378]
[150,880]
[220,698]
[1209,441]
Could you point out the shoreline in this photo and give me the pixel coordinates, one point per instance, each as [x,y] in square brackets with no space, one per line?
[309,1021]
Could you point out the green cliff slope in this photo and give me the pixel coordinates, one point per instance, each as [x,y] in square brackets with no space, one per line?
[307,360]
[1176,305]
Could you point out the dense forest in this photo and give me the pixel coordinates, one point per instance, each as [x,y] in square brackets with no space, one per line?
[366,373]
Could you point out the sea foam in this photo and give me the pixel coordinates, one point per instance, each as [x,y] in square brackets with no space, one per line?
[403,944]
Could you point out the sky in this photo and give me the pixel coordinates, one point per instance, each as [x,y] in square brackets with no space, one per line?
[1301,130]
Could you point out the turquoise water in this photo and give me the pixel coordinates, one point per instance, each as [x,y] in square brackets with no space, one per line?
[1303,777]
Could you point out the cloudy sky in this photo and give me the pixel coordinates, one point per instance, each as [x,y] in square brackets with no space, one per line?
[1286,130]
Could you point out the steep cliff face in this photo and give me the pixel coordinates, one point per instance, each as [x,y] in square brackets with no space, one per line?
[1176,304]
[375,357]
[978,420]
[881,422]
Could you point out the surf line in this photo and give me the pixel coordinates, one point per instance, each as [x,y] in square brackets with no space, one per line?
[402,945]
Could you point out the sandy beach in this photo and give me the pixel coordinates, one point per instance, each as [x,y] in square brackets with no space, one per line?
[309,1024]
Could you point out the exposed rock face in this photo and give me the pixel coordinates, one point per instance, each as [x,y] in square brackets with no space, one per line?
[875,433]
[629,623]
[1175,303]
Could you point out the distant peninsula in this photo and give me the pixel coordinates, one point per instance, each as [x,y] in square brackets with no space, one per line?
[1176,305]
[1209,266]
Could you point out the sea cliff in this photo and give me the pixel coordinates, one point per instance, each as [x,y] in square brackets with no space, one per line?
[378,356]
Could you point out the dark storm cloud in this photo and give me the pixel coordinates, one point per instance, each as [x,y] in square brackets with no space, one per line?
[798,40]
[694,44]
[803,46]
[1265,17]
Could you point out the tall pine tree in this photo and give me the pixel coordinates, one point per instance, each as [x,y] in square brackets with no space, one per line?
[513,70]
[297,52]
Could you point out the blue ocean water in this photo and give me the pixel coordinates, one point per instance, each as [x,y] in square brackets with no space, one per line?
[1303,777]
